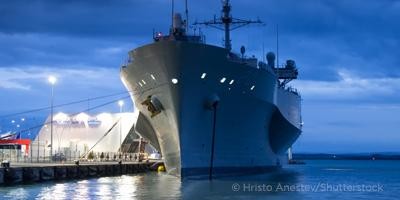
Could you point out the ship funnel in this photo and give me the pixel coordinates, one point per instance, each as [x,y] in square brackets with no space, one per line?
[271,59]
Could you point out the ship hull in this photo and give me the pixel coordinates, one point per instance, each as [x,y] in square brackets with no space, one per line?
[208,126]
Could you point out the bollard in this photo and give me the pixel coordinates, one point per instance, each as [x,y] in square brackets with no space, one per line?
[5,164]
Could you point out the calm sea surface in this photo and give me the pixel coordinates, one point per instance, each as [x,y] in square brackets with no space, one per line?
[315,180]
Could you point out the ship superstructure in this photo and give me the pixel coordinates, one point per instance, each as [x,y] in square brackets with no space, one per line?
[208,110]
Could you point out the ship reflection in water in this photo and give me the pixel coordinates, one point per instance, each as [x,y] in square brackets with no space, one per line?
[330,179]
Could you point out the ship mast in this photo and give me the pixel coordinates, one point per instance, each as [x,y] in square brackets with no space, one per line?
[187,16]
[228,22]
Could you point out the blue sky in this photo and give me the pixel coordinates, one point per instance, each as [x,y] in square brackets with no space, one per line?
[346,51]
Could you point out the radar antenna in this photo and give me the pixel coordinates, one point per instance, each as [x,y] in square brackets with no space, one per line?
[228,23]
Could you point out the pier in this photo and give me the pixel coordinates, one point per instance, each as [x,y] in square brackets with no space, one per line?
[21,173]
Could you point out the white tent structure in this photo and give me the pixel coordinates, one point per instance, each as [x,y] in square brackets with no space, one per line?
[75,135]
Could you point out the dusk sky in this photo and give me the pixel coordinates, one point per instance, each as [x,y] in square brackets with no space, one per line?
[347,52]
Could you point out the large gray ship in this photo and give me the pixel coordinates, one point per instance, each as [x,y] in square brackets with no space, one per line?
[210,111]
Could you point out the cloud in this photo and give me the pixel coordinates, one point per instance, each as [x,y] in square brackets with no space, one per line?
[20,50]
[320,35]
[84,18]
[22,78]
[333,127]
[14,78]
[350,86]
[26,87]
[7,84]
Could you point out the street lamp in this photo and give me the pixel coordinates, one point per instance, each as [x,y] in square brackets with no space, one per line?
[120,104]
[18,126]
[52,80]
[12,127]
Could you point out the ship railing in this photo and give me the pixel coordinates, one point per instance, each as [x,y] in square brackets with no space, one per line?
[292,90]
[188,38]
[252,61]
[18,156]
[126,62]
[264,66]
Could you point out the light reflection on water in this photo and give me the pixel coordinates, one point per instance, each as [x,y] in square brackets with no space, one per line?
[162,186]
[141,186]
[104,191]
[82,190]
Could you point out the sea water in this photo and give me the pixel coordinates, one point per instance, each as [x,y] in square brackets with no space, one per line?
[317,179]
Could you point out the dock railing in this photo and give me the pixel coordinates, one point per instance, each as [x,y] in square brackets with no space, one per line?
[17,156]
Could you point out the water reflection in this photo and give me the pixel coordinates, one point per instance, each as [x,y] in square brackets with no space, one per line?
[146,186]
[18,193]
[81,190]
[104,189]
[59,191]
[257,186]
[162,186]
[127,187]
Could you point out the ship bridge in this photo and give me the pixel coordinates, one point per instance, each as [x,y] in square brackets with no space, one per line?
[287,73]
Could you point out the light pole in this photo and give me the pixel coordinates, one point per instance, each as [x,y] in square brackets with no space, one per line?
[52,81]
[120,103]
[13,129]
[18,126]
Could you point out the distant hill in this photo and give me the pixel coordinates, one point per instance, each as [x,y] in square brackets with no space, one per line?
[355,156]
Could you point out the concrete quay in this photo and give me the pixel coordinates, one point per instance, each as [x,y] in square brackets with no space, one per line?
[20,173]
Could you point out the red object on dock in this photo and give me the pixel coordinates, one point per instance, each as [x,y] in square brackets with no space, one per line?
[25,142]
